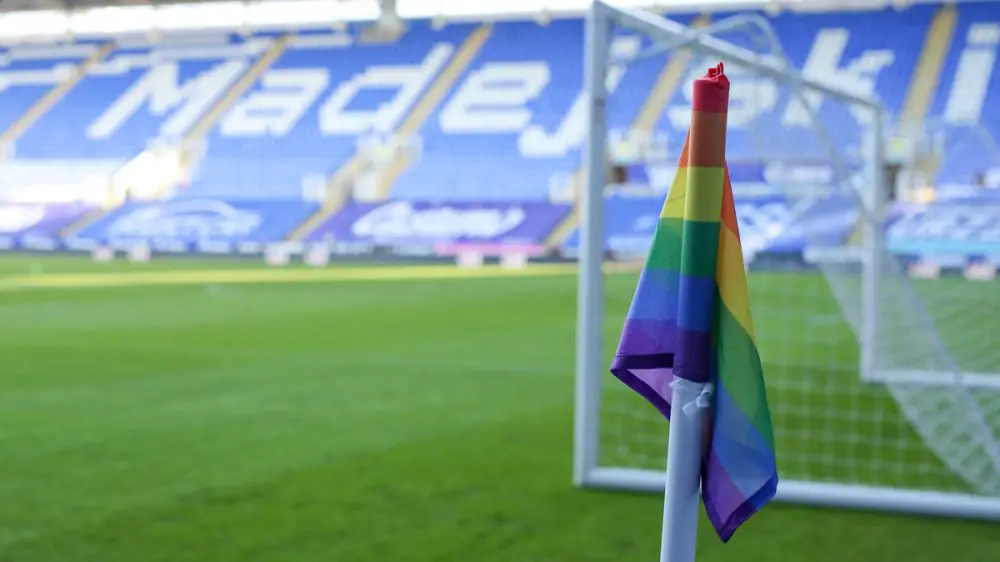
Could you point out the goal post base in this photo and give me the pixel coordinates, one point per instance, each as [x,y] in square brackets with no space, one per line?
[848,496]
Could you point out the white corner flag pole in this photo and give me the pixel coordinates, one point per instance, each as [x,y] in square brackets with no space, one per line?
[680,503]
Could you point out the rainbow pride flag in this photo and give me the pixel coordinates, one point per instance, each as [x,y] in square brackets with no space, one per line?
[690,318]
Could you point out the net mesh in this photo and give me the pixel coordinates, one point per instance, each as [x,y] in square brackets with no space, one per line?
[800,170]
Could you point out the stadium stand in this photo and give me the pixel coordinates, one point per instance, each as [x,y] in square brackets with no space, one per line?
[29,73]
[491,113]
[305,114]
[32,79]
[516,121]
[138,96]
[838,47]
[969,123]
[514,83]
[833,46]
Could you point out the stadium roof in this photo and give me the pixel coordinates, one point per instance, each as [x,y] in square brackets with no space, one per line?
[33,20]
[442,7]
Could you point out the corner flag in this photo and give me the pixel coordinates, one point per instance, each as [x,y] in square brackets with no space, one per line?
[690,322]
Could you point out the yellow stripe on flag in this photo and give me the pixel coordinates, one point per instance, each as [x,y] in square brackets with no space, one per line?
[673,206]
[732,279]
[708,207]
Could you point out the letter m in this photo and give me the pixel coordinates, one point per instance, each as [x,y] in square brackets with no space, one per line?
[160,90]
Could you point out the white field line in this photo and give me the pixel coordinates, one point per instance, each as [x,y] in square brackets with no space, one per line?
[267,276]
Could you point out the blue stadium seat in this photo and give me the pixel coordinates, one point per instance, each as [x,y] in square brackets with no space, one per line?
[469,155]
[762,120]
[28,72]
[629,225]
[509,129]
[966,106]
[138,95]
[501,142]
[249,155]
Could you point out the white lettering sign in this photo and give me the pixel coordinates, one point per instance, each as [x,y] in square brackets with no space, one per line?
[975,69]
[411,81]
[160,90]
[493,99]
[401,220]
[752,96]
[274,110]
[536,142]
[189,220]
[858,76]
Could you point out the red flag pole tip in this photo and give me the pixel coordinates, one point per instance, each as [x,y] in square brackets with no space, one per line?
[711,92]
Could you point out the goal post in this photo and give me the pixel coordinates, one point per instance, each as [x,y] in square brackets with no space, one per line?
[837,316]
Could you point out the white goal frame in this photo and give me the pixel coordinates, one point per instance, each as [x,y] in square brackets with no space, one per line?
[590,365]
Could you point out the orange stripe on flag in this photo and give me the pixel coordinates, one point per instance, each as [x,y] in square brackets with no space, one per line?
[729,206]
[708,142]
[684,151]
[673,205]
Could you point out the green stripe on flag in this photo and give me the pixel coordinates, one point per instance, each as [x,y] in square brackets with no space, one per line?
[740,371]
[666,250]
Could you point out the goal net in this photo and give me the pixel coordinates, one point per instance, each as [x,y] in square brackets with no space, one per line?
[884,389]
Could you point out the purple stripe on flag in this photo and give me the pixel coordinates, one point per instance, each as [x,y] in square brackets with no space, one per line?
[694,355]
[720,494]
[625,369]
[722,498]
[654,361]
[648,336]
[657,381]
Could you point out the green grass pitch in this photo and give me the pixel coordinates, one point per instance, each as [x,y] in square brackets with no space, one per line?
[395,420]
